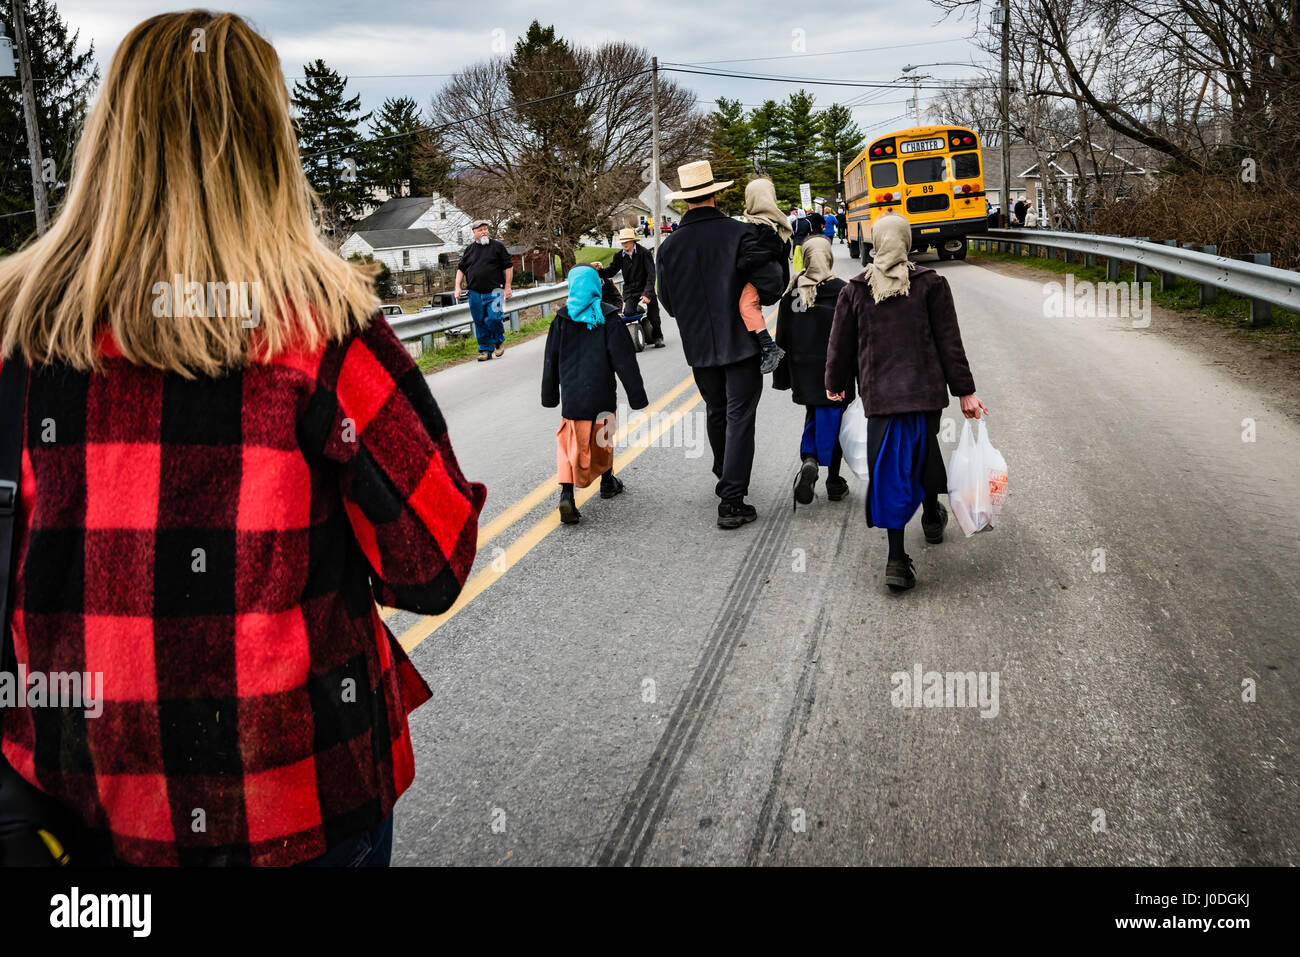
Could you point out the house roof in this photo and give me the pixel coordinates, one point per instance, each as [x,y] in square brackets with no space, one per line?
[397,213]
[398,238]
[1032,171]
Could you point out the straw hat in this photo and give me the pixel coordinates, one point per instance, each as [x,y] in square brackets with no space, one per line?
[627,234]
[697,181]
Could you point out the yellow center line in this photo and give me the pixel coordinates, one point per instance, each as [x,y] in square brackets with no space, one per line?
[526,542]
[547,488]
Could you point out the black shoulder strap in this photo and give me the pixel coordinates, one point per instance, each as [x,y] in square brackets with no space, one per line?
[13,403]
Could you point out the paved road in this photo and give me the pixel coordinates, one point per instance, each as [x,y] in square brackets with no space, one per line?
[648,689]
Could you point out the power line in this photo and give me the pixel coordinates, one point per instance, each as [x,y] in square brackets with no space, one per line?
[810,81]
[798,56]
[467,119]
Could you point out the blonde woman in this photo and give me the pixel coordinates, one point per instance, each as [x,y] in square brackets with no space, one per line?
[228,458]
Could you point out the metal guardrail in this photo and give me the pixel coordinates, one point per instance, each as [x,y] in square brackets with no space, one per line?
[1257,281]
[428,322]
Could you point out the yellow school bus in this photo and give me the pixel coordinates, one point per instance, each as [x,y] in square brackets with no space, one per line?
[931,175]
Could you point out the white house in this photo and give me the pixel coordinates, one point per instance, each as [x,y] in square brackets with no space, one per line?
[436,213]
[401,250]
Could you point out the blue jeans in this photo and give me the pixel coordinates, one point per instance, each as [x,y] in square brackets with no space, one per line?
[489,327]
[374,848]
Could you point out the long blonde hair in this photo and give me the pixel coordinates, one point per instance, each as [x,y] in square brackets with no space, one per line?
[188,167]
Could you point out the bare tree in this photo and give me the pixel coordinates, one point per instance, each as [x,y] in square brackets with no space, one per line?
[564,165]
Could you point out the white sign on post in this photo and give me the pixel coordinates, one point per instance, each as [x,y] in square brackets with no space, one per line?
[805,195]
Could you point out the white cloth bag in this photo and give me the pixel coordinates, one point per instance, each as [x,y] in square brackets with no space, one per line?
[977,480]
[853,439]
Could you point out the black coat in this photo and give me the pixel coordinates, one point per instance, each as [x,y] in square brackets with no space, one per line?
[904,350]
[700,279]
[769,254]
[580,365]
[638,271]
[805,337]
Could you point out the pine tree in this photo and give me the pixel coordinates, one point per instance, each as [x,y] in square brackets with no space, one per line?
[552,202]
[839,134]
[795,148]
[395,144]
[730,146]
[334,158]
[65,81]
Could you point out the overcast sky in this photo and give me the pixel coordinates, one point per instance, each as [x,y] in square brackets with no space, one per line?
[371,41]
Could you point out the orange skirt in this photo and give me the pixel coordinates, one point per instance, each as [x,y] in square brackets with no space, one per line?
[584,450]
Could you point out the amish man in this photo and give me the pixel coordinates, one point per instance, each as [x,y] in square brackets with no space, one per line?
[637,264]
[700,283]
[486,267]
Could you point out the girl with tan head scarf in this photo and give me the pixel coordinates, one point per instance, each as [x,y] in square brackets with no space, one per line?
[803,329]
[770,250]
[896,329]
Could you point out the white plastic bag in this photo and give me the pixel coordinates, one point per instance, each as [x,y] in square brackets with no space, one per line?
[977,480]
[853,439]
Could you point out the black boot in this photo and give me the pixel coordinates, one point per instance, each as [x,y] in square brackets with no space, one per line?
[609,485]
[569,513]
[735,514]
[900,573]
[772,353]
[804,481]
[836,487]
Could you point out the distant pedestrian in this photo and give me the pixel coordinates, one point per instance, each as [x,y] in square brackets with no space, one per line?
[700,281]
[637,264]
[896,328]
[486,268]
[829,230]
[842,225]
[803,330]
[1021,208]
[1031,218]
[586,345]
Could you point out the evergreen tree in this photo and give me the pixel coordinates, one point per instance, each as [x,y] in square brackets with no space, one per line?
[730,146]
[64,83]
[795,154]
[552,203]
[838,134]
[334,157]
[395,144]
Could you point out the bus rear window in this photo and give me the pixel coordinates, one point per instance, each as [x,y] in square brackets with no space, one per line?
[965,165]
[884,175]
[927,170]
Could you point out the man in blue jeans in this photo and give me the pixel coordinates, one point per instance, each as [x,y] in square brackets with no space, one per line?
[486,269]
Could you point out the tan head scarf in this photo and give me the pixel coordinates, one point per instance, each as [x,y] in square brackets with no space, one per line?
[760,207]
[818,266]
[889,272]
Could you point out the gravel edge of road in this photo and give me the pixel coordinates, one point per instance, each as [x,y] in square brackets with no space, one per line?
[1266,364]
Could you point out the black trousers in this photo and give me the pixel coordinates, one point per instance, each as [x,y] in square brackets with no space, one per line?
[650,323]
[731,395]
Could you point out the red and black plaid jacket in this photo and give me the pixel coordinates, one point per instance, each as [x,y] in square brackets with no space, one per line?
[212,547]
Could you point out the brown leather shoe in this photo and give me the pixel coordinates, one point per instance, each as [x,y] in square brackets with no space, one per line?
[500,350]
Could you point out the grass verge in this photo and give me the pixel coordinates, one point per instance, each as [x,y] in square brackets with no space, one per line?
[465,348]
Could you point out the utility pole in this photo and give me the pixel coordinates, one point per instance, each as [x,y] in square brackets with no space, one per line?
[1003,217]
[654,148]
[29,111]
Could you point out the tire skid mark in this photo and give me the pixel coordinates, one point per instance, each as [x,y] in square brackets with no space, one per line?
[635,829]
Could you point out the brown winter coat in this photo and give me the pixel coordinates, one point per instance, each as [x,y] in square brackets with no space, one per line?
[906,350]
